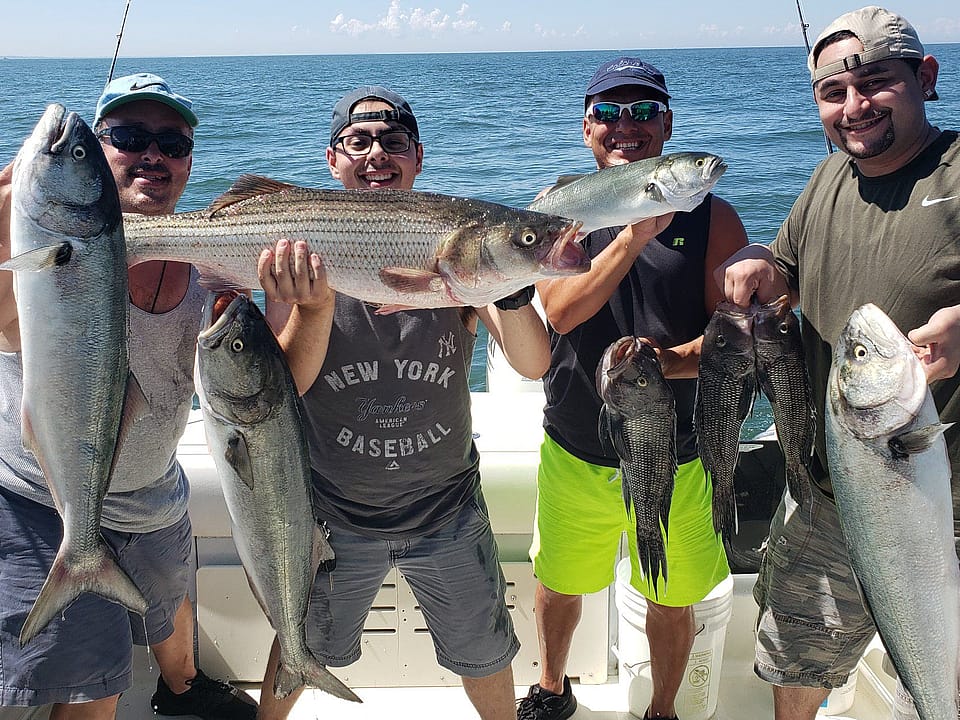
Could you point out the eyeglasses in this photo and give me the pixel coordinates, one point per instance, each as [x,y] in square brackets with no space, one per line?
[130,138]
[392,141]
[607,111]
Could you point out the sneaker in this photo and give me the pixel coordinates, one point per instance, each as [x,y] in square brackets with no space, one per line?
[207,699]
[540,704]
[646,716]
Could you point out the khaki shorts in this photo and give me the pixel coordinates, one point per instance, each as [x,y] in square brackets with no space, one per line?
[813,626]
[581,517]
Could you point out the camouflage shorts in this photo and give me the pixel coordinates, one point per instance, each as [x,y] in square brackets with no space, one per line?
[813,626]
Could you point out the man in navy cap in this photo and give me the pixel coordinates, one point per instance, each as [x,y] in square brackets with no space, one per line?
[81,662]
[654,280]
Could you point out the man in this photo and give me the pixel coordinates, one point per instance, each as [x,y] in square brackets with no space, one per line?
[81,662]
[395,469]
[653,279]
[876,223]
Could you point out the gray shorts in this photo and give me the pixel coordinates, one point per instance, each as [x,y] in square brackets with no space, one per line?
[454,574]
[813,626]
[86,652]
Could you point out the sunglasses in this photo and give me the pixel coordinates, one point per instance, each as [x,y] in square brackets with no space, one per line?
[607,111]
[129,138]
[392,141]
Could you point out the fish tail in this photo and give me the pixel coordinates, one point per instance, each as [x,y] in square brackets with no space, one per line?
[724,510]
[798,482]
[100,575]
[313,674]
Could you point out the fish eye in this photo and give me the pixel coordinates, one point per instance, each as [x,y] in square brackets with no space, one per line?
[701,162]
[528,238]
[860,352]
[783,328]
[642,381]
[79,152]
[721,341]
[236,345]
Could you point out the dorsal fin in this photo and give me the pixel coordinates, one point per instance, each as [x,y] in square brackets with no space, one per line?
[563,181]
[246,187]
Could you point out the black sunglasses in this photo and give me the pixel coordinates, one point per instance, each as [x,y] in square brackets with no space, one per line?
[130,138]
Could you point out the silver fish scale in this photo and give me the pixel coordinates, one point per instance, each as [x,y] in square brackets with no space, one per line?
[357,233]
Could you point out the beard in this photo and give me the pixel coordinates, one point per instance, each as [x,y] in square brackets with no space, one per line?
[864,149]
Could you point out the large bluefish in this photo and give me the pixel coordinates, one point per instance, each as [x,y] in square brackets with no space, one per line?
[397,248]
[252,419]
[891,478]
[71,290]
[625,194]
[638,419]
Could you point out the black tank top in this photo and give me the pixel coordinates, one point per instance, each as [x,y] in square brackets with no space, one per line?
[661,297]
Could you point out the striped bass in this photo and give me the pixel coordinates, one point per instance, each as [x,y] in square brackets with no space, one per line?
[397,248]
[67,251]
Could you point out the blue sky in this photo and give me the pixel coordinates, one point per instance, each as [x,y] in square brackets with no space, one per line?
[67,28]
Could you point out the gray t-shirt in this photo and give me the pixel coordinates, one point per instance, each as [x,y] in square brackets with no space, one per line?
[148,489]
[893,241]
[388,421]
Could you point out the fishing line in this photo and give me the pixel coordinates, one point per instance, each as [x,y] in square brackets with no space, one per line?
[116,52]
[806,42]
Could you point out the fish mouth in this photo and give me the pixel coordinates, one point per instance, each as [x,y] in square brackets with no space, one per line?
[566,255]
[713,168]
[218,311]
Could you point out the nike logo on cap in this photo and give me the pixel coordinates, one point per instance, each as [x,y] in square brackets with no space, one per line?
[927,201]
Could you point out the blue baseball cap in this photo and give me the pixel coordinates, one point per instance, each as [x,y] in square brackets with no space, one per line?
[626,71]
[400,110]
[143,86]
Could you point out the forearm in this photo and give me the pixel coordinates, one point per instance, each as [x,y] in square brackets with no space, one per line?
[304,339]
[522,336]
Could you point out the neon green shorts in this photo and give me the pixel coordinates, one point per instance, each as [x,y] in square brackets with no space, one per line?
[581,517]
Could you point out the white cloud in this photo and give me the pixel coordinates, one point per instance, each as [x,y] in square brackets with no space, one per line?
[398,22]
[506,27]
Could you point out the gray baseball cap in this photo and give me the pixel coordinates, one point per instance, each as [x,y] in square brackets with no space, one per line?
[883,34]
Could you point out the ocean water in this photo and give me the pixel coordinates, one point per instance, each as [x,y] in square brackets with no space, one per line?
[495,126]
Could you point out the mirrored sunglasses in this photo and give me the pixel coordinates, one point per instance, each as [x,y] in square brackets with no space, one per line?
[607,111]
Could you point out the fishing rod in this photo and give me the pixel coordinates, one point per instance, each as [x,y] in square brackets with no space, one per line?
[806,42]
[120,37]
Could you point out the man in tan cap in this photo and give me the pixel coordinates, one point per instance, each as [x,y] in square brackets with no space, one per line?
[861,232]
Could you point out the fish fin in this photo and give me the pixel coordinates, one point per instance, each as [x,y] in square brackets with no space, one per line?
[391,309]
[324,557]
[99,574]
[313,674]
[563,181]
[916,441]
[237,456]
[603,430]
[216,283]
[412,280]
[135,408]
[42,258]
[246,187]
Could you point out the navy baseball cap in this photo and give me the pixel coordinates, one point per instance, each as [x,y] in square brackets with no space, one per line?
[399,110]
[626,71]
[143,86]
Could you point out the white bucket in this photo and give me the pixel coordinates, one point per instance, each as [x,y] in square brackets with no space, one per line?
[699,689]
[840,699]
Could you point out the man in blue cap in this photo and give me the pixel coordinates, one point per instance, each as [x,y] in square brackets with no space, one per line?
[81,662]
[653,280]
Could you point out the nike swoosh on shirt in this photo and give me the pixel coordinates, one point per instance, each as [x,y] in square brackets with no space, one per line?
[927,201]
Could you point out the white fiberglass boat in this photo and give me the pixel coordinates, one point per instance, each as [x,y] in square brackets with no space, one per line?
[398,675]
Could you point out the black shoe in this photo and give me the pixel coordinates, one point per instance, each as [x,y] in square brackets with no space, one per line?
[540,704]
[207,699]
[646,716]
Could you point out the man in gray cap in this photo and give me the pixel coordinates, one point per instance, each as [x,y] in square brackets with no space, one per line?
[652,279]
[81,662]
[395,470]
[866,229]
